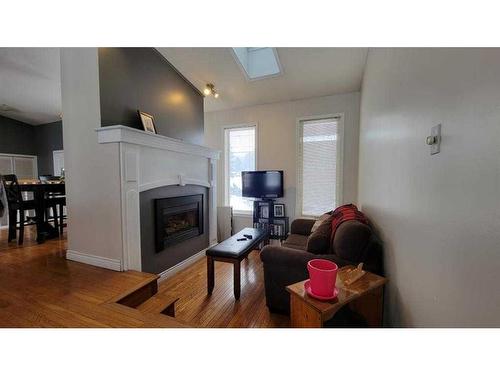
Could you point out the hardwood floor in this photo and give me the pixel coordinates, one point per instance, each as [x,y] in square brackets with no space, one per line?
[40,288]
[220,309]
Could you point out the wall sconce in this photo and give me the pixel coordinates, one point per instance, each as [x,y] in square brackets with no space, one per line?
[210,90]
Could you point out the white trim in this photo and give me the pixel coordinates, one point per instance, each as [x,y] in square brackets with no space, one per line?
[94,260]
[125,134]
[173,181]
[339,159]
[182,265]
[226,161]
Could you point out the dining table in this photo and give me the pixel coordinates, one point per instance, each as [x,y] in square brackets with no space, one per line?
[40,190]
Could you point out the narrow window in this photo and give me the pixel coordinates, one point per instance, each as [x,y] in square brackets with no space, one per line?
[319,169]
[239,156]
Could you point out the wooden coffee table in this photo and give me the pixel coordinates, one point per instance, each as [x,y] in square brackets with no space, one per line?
[364,296]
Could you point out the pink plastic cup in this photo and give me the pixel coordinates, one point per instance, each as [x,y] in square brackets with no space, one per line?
[323,275]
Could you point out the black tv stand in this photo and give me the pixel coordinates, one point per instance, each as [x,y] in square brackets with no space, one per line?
[263,218]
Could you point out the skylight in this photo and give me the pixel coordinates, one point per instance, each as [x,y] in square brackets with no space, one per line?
[258,62]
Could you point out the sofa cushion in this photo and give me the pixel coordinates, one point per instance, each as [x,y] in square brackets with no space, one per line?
[295,241]
[351,239]
[302,226]
[321,219]
[319,241]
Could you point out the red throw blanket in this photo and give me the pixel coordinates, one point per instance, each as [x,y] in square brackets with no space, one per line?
[345,213]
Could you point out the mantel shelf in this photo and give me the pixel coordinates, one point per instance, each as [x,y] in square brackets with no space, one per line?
[125,134]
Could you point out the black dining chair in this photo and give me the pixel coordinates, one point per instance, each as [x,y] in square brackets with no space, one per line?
[55,202]
[16,206]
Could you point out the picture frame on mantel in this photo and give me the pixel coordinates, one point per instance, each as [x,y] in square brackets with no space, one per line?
[148,122]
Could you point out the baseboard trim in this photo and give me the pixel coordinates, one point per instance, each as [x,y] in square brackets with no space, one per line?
[182,265]
[94,260]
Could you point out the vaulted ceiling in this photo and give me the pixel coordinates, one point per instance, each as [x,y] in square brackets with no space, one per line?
[307,72]
[30,83]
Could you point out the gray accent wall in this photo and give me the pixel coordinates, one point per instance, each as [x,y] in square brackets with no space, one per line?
[158,262]
[16,137]
[19,138]
[141,78]
[49,138]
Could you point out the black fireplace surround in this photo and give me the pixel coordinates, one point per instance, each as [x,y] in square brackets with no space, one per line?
[175,253]
[177,219]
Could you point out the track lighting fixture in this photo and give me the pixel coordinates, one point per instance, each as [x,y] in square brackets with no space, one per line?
[210,90]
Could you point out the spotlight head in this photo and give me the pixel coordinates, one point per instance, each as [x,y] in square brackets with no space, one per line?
[210,90]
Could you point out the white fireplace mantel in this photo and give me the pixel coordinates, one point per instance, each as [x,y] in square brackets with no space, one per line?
[148,161]
[125,134]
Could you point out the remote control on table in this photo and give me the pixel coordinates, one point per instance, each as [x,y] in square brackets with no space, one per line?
[249,236]
[241,239]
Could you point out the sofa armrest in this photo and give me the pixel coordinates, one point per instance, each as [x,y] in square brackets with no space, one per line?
[285,256]
[284,266]
[302,226]
[294,259]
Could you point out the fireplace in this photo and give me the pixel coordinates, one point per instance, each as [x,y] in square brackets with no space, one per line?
[178,219]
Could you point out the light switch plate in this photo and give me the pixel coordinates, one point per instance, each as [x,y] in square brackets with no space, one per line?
[436,132]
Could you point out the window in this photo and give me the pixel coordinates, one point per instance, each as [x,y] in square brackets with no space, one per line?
[319,165]
[24,166]
[239,156]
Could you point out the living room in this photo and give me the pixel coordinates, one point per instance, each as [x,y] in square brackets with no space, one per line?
[251,187]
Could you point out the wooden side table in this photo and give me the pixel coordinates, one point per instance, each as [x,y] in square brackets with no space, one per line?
[365,296]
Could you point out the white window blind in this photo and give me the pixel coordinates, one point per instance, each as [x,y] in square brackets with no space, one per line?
[318,158]
[6,166]
[24,167]
[240,156]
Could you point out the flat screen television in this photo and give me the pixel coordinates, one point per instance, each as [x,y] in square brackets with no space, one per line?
[262,184]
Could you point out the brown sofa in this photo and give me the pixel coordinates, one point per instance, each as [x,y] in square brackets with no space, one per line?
[354,242]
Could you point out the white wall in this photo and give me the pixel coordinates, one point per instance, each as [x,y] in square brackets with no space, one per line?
[92,176]
[438,215]
[277,124]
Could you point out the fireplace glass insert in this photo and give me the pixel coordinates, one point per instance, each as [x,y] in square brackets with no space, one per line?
[178,219]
